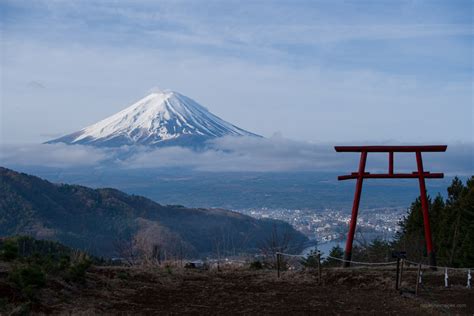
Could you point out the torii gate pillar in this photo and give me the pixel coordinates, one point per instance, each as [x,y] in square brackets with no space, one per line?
[420,174]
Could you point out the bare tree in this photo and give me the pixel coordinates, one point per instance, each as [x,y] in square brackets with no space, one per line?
[277,242]
[152,244]
[126,250]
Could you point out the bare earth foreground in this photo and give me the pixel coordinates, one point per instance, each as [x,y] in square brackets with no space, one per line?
[112,290]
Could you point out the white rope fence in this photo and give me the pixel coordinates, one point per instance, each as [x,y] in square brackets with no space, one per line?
[362,263]
[421,265]
[446,275]
[290,255]
[378,263]
[339,259]
[438,267]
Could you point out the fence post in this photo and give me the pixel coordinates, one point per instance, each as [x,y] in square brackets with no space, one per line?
[418,279]
[278,265]
[319,267]
[398,273]
[401,272]
[446,277]
[399,255]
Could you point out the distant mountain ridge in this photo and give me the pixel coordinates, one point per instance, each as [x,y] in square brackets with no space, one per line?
[102,221]
[161,118]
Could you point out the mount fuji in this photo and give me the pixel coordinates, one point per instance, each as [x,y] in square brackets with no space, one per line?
[162,118]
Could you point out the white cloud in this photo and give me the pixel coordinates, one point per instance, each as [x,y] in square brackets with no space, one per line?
[239,154]
[278,154]
[234,154]
[51,155]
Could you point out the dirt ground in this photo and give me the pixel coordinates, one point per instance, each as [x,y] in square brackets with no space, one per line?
[173,291]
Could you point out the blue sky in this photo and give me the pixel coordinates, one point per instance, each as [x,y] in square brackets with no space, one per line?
[328,71]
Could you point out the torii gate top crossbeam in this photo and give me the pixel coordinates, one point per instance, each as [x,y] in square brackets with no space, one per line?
[391,150]
[387,149]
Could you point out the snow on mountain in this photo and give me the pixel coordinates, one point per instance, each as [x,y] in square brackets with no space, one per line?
[160,118]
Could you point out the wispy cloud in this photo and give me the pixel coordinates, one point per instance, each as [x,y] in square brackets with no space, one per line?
[52,155]
[35,85]
[252,22]
[240,154]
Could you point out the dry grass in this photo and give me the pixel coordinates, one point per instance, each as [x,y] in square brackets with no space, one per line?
[142,290]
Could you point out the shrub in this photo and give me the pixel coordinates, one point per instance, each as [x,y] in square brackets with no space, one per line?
[190,265]
[77,271]
[64,262]
[122,275]
[256,265]
[311,261]
[28,279]
[168,269]
[9,250]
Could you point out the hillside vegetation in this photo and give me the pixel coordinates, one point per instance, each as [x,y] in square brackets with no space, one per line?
[452,226]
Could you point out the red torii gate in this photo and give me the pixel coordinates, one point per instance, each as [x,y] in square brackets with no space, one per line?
[421,175]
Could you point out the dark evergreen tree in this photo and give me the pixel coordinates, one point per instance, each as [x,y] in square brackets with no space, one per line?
[336,252]
[452,226]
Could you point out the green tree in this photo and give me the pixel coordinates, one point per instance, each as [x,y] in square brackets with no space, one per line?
[452,226]
[336,252]
[311,261]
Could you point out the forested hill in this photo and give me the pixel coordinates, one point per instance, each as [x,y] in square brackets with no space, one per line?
[452,226]
[107,222]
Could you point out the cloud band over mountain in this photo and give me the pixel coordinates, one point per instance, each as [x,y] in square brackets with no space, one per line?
[275,154]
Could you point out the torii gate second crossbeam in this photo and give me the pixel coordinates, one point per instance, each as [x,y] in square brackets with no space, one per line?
[421,175]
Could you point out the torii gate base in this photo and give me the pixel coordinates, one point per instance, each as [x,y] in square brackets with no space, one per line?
[421,175]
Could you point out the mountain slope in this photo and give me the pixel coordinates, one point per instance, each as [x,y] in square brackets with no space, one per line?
[161,118]
[104,221]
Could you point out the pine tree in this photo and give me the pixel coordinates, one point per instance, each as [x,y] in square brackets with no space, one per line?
[336,252]
[452,227]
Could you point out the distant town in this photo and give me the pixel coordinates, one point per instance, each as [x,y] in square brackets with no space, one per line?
[331,225]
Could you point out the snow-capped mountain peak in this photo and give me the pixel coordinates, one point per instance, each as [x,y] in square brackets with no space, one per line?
[160,118]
